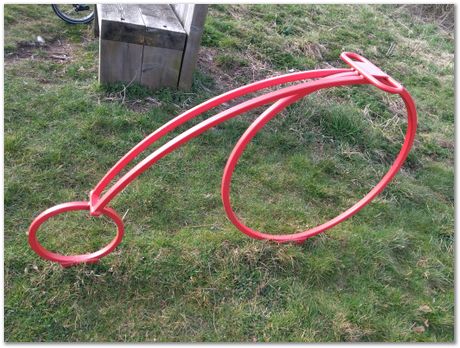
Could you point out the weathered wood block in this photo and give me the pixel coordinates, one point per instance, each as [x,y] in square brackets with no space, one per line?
[119,61]
[142,43]
[164,44]
[192,18]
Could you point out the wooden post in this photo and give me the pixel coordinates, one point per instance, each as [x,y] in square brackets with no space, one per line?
[120,43]
[141,43]
[163,46]
[154,45]
[192,17]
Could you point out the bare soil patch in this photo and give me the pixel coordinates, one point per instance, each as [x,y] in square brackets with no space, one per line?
[58,51]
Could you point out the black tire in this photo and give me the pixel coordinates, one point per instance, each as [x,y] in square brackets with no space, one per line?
[69,14]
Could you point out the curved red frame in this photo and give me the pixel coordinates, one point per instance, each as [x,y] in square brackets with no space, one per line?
[362,72]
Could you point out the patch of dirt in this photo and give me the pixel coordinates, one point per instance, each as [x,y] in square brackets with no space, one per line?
[350,331]
[238,12]
[315,50]
[137,105]
[228,79]
[447,144]
[395,105]
[143,105]
[441,14]
[420,48]
[58,51]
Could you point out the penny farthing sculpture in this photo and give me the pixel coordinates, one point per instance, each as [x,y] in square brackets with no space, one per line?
[361,72]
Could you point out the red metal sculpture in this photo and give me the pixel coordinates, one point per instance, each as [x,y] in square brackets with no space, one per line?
[362,72]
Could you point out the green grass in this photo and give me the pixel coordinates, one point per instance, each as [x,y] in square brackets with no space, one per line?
[183,272]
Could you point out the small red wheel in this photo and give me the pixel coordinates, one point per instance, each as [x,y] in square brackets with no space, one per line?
[69,260]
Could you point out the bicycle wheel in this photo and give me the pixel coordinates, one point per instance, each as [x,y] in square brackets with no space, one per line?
[74,14]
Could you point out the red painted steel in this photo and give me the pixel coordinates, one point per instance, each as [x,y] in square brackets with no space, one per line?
[73,259]
[362,72]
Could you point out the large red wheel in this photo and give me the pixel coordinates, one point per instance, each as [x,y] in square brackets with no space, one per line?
[299,237]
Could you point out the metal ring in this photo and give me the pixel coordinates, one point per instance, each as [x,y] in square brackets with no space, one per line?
[69,260]
[300,237]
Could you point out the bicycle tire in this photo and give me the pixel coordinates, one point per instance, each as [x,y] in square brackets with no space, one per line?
[65,16]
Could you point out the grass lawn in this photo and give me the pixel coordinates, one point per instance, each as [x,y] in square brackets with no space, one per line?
[183,272]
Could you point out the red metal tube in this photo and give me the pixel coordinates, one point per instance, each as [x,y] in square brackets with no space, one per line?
[362,72]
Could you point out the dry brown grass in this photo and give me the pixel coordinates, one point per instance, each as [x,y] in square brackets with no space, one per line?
[441,14]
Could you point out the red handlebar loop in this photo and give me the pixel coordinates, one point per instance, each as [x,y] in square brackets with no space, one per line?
[362,72]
